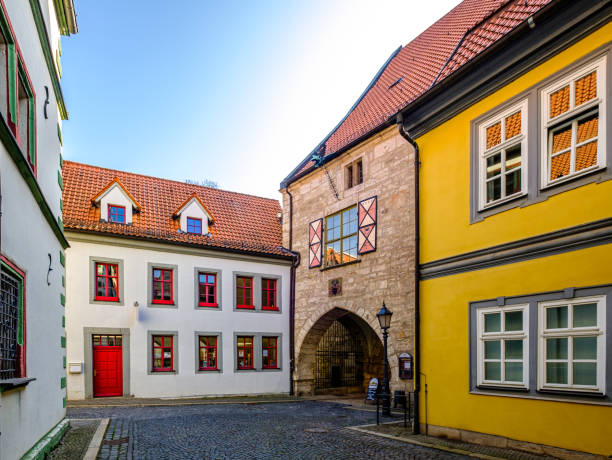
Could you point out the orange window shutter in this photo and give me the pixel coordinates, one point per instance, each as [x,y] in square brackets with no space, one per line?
[367,220]
[315,243]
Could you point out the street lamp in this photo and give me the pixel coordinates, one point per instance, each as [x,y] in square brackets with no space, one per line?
[384,319]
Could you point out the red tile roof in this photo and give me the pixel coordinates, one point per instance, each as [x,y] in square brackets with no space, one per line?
[438,52]
[244,223]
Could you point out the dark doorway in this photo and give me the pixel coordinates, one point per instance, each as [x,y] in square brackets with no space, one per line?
[338,359]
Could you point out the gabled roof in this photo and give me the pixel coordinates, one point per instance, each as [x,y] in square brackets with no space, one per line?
[243,223]
[111,184]
[412,71]
[193,197]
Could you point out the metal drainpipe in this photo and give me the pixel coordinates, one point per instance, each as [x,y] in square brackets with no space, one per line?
[417,315]
[294,265]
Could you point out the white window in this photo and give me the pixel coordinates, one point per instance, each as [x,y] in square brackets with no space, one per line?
[573,124]
[503,346]
[571,354]
[502,148]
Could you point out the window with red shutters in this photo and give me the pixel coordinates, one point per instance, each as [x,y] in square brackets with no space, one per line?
[208,353]
[268,294]
[269,352]
[207,290]
[163,353]
[162,286]
[107,282]
[244,351]
[244,292]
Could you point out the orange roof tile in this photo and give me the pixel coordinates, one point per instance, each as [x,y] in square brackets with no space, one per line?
[446,46]
[186,202]
[243,223]
[116,180]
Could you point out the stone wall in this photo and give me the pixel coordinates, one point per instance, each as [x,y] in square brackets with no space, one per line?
[386,274]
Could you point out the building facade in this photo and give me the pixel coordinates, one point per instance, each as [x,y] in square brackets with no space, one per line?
[516,232]
[32,338]
[172,289]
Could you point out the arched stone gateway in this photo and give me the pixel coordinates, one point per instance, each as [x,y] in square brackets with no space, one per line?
[338,354]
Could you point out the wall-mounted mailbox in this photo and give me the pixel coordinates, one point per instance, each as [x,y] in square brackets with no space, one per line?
[75,368]
[405,366]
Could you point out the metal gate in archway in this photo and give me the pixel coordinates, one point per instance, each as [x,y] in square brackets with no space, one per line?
[338,359]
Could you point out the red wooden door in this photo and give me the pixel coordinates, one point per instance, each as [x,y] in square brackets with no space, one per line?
[107,365]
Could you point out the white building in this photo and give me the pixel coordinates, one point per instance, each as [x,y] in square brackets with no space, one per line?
[172,289]
[32,339]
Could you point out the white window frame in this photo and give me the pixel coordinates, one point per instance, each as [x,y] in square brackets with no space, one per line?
[599,331]
[502,336]
[484,153]
[571,117]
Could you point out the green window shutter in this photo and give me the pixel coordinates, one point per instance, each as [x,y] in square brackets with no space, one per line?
[64,361]
[62,259]
[60,180]
[60,155]
[60,223]
[63,382]
[12,81]
[63,321]
[63,341]
[61,139]
[64,402]
[63,282]
[61,205]
[63,300]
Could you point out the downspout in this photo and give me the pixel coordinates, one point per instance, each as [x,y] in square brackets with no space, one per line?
[417,244]
[294,265]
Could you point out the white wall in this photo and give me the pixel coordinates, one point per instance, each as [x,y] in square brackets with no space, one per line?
[194,210]
[115,196]
[28,413]
[186,319]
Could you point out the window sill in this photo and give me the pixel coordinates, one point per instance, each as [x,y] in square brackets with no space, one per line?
[207,371]
[245,307]
[573,392]
[271,369]
[106,299]
[159,371]
[269,308]
[208,305]
[246,369]
[503,388]
[545,396]
[13,384]
[506,200]
[341,265]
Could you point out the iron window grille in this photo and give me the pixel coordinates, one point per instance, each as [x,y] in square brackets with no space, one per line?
[11,324]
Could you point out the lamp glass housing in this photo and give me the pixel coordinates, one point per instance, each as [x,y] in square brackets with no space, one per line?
[384,317]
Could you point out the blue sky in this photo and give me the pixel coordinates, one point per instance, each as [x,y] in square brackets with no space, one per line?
[237,92]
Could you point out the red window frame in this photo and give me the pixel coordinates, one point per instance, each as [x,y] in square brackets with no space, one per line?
[207,344]
[20,371]
[268,302]
[163,348]
[246,299]
[164,286]
[242,344]
[107,279]
[269,345]
[190,223]
[203,290]
[113,207]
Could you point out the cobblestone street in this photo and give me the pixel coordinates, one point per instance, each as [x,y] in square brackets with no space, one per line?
[297,430]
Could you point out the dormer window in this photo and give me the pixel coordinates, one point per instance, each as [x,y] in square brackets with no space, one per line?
[116,214]
[194,225]
[193,216]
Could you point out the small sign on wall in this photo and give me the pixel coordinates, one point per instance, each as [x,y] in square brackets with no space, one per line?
[335,287]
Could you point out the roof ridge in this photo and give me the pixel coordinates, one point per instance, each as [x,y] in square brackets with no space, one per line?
[170,180]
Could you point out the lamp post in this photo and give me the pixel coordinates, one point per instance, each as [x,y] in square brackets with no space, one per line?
[384,319]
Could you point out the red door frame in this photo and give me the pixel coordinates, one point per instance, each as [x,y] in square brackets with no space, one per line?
[107,365]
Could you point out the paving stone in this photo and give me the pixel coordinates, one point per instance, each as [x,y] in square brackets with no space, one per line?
[74,443]
[296,430]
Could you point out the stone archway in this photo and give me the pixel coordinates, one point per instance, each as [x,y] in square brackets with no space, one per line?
[361,358]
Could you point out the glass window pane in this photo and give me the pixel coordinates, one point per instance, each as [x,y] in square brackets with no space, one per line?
[559,101]
[211,279]
[202,278]
[585,315]
[514,372]
[104,340]
[493,135]
[157,274]
[157,362]
[585,88]
[514,321]
[157,341]
[514,349]
[157,353]
[167,341]
[493,371]
[118,340]
[586,156]
[111,340]
[556,373]
[556,317]
[112,270]
[513,182]
[556,348]
[560,166]
[167,362]
[167,275]
[513,125]
[493,190]
[101,269]
[585,347]
[492,349]
[585,374]
[493,165]
[492,322]
[112,288]
[96,340]
[157,290]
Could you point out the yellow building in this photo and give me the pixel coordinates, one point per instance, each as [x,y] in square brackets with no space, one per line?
[516,234]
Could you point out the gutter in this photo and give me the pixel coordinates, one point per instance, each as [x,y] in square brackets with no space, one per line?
[417,243]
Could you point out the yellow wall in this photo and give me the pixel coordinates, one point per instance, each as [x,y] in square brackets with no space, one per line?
[445,352]
[446,231]
[445,172]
